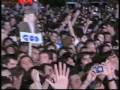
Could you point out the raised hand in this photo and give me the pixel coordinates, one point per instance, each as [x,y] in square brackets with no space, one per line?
[60,77]
[35,76]
[91,76]
[108,69]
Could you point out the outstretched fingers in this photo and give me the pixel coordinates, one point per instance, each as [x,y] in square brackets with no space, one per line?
[56,70]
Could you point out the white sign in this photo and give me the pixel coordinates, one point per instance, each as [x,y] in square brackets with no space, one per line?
[31,37]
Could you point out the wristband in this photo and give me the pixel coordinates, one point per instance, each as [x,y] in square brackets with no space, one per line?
[111,80]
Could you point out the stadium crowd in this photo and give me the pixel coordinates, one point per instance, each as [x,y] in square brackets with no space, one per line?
[79,49]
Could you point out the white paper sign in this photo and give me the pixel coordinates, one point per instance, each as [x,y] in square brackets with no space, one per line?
[31,37]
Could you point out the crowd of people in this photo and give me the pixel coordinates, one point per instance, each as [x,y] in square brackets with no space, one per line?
[79,49]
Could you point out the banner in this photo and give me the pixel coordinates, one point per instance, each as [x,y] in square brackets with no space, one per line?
[31,37]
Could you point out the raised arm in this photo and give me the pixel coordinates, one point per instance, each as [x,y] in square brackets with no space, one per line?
[90,78]
[109,72]
[60,77]
[75,17]
[36,80]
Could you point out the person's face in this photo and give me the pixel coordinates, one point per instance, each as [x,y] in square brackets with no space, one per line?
[48,70]
[101,37]
[54,37]
[26,63]
[86,59]
[70,62]
[91,47]
[111,30]
[24,48]
[10,50]
[106,48]
[12,63]
[75,81]
[108,38]
[44,58]
[8,42]
[13,22]
[97,43]
[35,55]
[7,26]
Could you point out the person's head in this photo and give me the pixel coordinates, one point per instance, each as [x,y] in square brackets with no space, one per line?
[91,46]
[23,47]
[12,21]
[35,54]
[7,41]
[100,37]
[7,26]
[97,84]
[97,43]
[68,59]
[10,49]
[54,55]
[48,69]
[85,59]
[109,28]
[29,17]
[44,57]
[106,48]
[108,37]
[9,61]
[25,62]
[54,37]
[75,81]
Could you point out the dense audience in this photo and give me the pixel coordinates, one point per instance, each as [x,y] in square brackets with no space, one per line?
[79,49]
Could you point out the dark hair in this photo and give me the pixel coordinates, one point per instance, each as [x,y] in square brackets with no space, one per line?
[54,32]
[4,41]
[102,46]
[73,71]
[51,52]
[6,58]
[46,52]
[67,55]
[13,46]
[19,63]
[41,67]
[94,83]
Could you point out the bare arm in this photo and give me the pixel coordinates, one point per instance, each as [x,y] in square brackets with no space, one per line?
[75,17]
[36,80]
[109,72]
[90,77]
[111,84]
